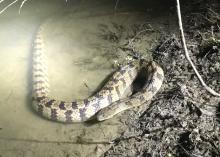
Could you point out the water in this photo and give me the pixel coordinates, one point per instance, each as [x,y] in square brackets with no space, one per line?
[82,41]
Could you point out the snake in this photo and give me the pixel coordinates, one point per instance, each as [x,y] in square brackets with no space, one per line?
[104,104]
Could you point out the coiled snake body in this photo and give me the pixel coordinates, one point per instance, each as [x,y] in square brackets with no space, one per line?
[107,102]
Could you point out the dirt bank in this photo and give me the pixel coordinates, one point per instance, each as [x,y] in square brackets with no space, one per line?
[183,118]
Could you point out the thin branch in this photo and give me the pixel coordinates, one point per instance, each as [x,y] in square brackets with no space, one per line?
[9,5]
[5,8]
[22,4]
[116,5]
[216,15]
[187,53]
[1,1]
[56,142]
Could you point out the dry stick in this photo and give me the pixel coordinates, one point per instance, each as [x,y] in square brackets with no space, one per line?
[22,4]
[116,5]
[2,1]
[5,8]
[57,142]
[210,90]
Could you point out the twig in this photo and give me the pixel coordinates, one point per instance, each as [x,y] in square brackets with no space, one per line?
[187,152]
[116,5]
[132,39]
[187,53]
[56,142]
[22,4]
[5,8]
[9,5]
[2,1]
[215,14]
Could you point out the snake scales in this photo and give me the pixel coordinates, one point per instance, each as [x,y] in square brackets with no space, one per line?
[105,103]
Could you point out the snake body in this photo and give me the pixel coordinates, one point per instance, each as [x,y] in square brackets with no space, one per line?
[107,102]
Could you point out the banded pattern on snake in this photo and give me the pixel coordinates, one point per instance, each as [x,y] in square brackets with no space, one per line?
[105,103]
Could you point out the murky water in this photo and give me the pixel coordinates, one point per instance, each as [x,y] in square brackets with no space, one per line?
[82,41]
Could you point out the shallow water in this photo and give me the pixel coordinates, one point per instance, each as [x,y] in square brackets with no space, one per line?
[82,41]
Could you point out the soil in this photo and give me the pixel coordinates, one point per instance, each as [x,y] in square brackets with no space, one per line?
[183,118]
